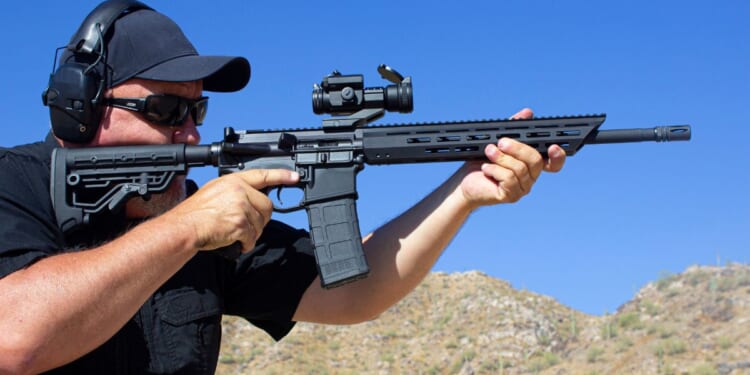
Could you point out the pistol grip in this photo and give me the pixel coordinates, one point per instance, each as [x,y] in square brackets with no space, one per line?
[334,228]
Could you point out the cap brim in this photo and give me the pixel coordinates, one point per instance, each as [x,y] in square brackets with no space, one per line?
[219,73]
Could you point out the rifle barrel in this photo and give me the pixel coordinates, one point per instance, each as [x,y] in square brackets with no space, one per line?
[655,134]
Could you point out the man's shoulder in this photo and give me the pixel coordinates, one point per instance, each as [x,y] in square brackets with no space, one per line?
[36,152]
[25,169]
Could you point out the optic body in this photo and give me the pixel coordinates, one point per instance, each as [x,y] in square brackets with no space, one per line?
[343,95]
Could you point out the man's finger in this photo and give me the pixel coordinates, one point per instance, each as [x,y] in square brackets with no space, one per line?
[263,178]
[519,168]
[523,114]
[524,153]
[556,159]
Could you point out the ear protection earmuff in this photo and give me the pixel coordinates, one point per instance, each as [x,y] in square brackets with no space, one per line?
[74,91]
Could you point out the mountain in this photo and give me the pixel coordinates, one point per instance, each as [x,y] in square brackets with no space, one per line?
[696,322]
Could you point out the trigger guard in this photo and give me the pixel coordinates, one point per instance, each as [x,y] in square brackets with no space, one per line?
[281,209]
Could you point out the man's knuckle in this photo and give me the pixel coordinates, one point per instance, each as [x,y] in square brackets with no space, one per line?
[521,169]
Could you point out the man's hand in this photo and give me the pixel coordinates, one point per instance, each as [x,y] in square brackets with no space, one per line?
[512,170]
[231,208]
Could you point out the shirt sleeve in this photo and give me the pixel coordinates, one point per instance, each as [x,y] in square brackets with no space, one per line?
[29,230]
[269,282]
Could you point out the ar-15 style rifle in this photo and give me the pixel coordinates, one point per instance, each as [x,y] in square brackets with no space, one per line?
[89,182]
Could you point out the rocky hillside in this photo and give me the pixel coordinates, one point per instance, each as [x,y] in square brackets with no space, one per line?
[697,322]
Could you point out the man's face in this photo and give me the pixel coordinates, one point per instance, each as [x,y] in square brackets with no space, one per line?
[122,127]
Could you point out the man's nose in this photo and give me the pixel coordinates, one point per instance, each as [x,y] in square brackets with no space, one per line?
[187,133]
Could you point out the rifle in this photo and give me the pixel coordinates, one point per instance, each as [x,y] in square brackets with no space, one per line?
[89,182]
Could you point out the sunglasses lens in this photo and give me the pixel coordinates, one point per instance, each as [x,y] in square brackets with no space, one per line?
[164,109]
[199,111]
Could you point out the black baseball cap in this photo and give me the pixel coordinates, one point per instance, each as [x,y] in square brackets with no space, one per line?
[147,44]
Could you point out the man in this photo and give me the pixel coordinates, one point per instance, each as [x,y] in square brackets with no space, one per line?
[143,293]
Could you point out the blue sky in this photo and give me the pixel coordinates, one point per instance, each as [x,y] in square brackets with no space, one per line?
[617,216]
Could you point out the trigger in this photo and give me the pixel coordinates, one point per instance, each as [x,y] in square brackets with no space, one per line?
[278,196]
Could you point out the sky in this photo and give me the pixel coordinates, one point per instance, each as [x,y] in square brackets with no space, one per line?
[616,217]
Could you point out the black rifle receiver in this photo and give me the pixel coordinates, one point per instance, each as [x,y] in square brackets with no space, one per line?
[88,182]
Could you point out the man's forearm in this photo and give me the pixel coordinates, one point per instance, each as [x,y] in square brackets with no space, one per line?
[66,305]
[416,239]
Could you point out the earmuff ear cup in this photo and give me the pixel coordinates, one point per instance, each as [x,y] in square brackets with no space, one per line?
[75,88]
[74,113]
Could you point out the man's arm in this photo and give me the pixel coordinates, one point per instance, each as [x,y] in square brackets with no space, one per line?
[403,251]
[64,306]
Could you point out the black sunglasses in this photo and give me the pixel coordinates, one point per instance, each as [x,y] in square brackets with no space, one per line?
[164,109]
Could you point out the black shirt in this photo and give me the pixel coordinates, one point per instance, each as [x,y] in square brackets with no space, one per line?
[178,329]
